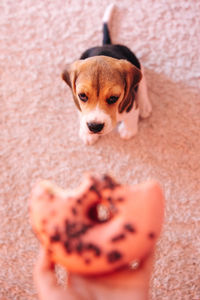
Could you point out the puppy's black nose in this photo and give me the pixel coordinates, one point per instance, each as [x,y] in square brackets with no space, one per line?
[95,127]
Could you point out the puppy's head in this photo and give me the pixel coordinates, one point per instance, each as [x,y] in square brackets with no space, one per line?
[102,87]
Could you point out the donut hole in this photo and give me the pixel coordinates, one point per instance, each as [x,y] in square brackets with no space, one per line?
[99,213]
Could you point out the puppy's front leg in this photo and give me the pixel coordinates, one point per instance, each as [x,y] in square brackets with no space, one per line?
[129,125]
[87,138]
[142,98]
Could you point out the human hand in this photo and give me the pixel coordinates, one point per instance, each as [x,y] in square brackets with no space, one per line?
[128,283]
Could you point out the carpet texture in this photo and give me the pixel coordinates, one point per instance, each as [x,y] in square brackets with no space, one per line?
[39,126]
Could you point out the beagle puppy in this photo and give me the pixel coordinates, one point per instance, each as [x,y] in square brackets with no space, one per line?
[108,87]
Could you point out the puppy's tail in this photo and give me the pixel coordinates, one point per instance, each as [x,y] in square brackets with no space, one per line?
[106,19]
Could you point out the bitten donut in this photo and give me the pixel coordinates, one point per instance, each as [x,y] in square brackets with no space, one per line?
[100,226]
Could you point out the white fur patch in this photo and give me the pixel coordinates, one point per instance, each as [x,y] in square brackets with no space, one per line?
[96,116]
[129,126]
[142,98]
[108,13]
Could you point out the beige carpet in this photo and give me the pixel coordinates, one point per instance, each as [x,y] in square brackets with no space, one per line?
[39,126]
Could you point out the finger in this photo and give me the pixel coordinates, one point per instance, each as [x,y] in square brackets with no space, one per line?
[44,262]
[45,279]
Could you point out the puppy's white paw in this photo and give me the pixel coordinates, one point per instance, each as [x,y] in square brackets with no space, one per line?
[88,139]
[145,109]
[126,133]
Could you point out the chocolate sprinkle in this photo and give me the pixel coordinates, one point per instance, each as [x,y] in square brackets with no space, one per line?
[75,230]
[94,248]
[88,261]
[80,247]
[151,235]
[79,201]
[129,227]
[118,237]
[68,247]
[51,195]
[110,199]
[114,256]
[94,189]
[74,211]
[109,182]
[120,199]
[55,237]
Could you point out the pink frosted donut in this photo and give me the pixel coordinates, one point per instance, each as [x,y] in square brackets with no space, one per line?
[99,227]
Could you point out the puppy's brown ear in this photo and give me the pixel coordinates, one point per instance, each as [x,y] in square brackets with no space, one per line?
[69,75]
[132,77]
[66,75]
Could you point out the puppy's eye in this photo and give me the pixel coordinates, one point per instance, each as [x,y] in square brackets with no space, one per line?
[112,99]
[83,97]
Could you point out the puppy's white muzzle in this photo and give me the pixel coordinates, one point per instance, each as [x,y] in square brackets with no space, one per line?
[96,122]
